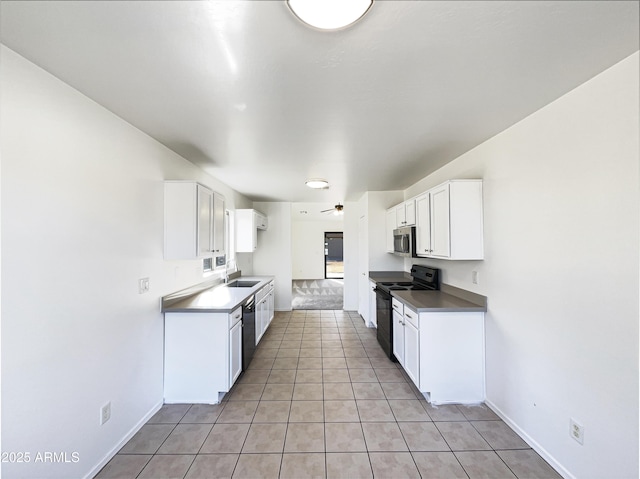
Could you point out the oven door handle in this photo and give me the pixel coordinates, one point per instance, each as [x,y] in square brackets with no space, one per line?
[382,293]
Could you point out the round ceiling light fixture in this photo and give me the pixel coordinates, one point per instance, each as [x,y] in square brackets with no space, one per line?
[329,14]
[317,183]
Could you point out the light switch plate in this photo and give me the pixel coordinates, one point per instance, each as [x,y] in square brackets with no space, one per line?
[143,285]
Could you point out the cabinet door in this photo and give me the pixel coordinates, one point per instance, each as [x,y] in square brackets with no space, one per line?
[262,317]
[235,352]
[412,352]
[259,320]
[410,212]
[246,232]
[265,314]
[219,246]
[401,216]
[398,337]
[439,198]
[261,221]
[271,308]
[373,322]
[423,226]
[205,221]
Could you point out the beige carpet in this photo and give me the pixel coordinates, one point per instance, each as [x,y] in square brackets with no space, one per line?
[317,294]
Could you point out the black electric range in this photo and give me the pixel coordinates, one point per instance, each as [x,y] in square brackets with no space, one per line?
[424,279]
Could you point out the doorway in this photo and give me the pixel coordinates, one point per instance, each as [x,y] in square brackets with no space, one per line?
[333,255]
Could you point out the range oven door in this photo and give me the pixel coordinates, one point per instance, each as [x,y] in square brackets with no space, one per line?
[383,318]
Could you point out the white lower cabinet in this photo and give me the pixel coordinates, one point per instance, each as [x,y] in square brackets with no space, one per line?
[411,345]
[265,311]
[442,352]
[235,352]
[397,324]
[272,301]
[262,321]
[373,320]
[202,355]
[406,341]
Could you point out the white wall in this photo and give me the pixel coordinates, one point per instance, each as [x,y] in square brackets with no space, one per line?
[273,256]
[378,203]
[561,272]
[308,247]
[350,244]
[368,224]
[82,221]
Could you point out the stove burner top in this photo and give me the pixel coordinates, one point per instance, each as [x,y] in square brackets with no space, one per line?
[425,279]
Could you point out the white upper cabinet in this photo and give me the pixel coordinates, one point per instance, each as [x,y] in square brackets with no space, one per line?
[205,221]
[248,222]
[449,221]
[193,221]
[439,207]
[423,225]
[406,213]
[219,246]
[262,223]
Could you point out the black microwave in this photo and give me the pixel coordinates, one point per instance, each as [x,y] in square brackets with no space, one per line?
[404,240]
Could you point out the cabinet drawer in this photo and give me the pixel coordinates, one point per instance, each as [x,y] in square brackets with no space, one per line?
[411,317]
[397,306]
[262,293]
[235,316]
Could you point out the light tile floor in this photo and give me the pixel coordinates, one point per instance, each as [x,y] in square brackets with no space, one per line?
[321,400]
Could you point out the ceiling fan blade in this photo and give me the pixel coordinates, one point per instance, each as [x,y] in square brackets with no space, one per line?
[337,208]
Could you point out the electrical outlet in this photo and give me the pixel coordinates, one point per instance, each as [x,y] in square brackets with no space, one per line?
[474,277]
[577,431]
[105,413]
[143,285]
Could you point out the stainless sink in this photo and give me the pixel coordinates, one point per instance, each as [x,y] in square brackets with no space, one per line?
[242,284]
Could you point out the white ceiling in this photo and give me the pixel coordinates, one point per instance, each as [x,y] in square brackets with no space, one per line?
[262,102]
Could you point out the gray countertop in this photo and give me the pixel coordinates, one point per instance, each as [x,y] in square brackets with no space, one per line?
[436,301]
[389,276]
[448,299]
[217,298]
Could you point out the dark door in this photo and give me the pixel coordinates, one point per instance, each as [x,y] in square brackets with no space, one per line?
[333,255]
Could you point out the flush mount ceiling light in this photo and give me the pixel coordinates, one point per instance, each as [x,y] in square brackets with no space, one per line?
[329,14]
[317,183]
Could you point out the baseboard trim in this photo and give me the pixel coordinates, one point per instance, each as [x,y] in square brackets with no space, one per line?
[96,469]
[529,440]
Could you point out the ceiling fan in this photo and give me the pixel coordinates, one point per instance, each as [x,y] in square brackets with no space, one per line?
[337,209]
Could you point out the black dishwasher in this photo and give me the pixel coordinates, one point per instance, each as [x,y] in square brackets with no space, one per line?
[248,331]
